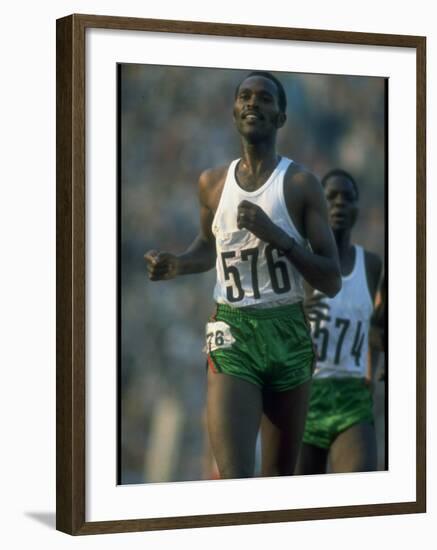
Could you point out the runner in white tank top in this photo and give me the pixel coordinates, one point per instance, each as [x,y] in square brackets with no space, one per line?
[259,214]
[251,272]
[342,337]
[340,417]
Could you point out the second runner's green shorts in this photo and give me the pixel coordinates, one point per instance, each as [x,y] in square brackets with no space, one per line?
[271,348]
[336,404]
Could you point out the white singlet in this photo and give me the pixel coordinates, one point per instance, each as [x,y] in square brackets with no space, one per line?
[342,342]
[251,272]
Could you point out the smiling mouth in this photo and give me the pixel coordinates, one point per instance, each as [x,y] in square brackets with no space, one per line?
[252,116]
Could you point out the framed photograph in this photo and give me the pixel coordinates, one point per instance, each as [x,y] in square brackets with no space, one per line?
[148,108]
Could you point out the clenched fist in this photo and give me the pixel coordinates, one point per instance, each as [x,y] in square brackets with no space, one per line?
[253,218]
[161,266]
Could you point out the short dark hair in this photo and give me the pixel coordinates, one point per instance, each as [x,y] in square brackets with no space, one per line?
[282,97]
[342,174]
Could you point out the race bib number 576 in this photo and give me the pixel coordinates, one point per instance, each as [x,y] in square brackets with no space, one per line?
[218,336]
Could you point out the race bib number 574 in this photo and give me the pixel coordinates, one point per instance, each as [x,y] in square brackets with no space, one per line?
[218,336]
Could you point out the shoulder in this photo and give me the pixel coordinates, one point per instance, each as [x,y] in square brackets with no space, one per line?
[299,182]
[299,175]
[373,262]
[300,178]
[211,182]
[373,266]
[212,176]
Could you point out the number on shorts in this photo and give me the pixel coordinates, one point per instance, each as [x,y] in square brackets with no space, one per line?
[217,337]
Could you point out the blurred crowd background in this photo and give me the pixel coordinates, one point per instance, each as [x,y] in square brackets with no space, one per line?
[175,123]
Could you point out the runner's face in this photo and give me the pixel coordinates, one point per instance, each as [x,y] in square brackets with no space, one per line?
[256,108]
[342,203]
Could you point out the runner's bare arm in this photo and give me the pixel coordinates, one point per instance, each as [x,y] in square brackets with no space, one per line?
[199,256]
[320,266]
[378,289]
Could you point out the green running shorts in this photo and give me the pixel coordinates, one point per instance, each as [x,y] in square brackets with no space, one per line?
[271,348]
[336,404]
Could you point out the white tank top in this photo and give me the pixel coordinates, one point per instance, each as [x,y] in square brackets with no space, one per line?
[342,342]
[250,272]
